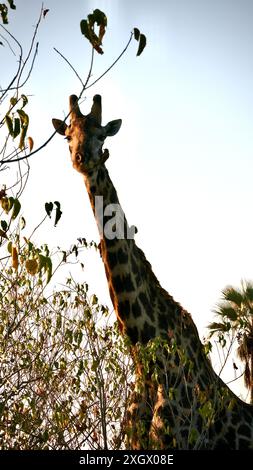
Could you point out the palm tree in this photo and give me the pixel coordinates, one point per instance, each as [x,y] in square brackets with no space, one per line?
[235,312]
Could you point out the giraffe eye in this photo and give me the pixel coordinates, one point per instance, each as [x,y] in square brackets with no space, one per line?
[68,138]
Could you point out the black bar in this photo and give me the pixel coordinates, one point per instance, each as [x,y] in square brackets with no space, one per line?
[107,459]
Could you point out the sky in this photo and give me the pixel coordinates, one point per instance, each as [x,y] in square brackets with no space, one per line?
[182,162]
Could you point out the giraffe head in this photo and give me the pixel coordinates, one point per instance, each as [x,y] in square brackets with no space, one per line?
[86,135]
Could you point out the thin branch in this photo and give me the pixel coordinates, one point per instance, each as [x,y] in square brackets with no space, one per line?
[227,354]
[20,62]
[239,376]
[71,66]
[111,66]
[30,70]
[31,47]
[8,43]
[85,87]
[89,74]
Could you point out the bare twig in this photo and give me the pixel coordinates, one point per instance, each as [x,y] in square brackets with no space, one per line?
[89,74]
[19,65]
[71,66]
[85,87]
[8,43]
[31,47]
[111,66]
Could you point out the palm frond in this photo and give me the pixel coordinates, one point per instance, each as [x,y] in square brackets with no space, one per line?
[230,294]
[218,327]
[225,310]
[248,290]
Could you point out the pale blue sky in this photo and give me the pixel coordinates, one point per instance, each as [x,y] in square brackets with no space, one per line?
[183,160]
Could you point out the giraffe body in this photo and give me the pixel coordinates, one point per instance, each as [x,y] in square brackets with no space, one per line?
[179,401]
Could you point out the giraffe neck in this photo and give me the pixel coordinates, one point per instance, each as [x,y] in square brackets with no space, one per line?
[186,381]
[135,292]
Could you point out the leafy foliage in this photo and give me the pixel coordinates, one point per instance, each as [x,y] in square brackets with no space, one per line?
[88,29]
[62,384]
[235,313]
[141,38]
[18,122]
[4,10]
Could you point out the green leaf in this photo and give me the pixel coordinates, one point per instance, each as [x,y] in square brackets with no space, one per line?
[3,234]
[142,44]
[194,436]
[94,300]
[16,209]
[22,223]
[4,13]
[58,321]
[4,225]
[16,130]
[49,207]
[85,28]
[136,34]
[13,101]
[9,247]
[49,268]
[24,118]
[22,138]
[45,263]
[12,5]
[58,213]
[10,203]
[25,100]
[9,124]
[99,17]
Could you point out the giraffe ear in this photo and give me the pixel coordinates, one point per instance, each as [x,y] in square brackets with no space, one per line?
[60,126]
[112,127]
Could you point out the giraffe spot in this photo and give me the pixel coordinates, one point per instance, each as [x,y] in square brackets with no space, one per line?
[244,430]
[230,437]
[100,175]
[234,419]
[122,256]
[132,333]
[221,444]
[163,321]
[114,197]
[118,284]
[127,283]
[161,307]
[146,304]
[93,189]
[136,309]
[248,417]
[134,265]
[124,309]
[112,259]
[138,280]
[110,243]
[244,444]
[147,333]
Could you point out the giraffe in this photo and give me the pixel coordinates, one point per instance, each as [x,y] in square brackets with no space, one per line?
[179,401]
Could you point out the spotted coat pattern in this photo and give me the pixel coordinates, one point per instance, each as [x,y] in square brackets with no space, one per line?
[179,401]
